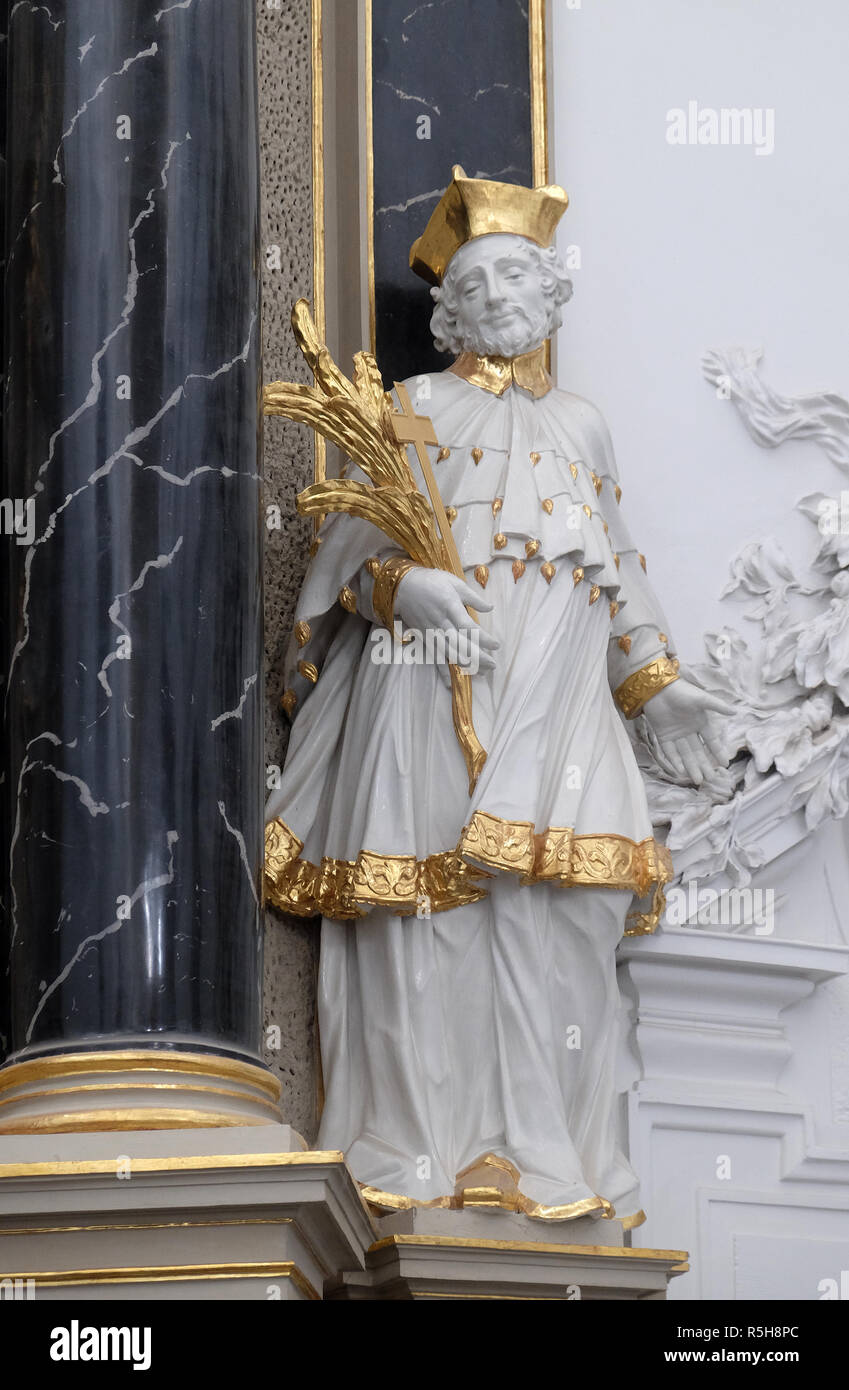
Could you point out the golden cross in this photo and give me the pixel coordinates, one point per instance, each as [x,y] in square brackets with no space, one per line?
[418,430]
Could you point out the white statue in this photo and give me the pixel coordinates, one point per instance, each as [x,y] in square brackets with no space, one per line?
[468,1004]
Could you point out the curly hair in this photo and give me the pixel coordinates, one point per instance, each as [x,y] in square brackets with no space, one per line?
[554,282]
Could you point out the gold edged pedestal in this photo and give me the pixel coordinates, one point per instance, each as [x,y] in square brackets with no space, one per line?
[208,1214]
[248,1212]
[468,1254]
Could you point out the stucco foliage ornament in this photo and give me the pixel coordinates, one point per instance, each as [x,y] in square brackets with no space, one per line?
[789,733]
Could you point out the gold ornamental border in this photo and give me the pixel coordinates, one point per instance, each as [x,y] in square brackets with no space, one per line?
[492,1197]
[641,685]
[344,889]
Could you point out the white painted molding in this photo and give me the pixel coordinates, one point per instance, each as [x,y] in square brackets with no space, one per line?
[727,1142]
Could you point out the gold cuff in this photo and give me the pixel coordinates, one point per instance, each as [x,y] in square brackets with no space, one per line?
[391,573]
[633,693]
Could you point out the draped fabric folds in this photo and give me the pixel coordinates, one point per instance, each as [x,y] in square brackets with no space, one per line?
[467,996]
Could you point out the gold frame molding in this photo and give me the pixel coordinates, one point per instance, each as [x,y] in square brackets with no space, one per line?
[677,1259]
[369,121]
[155,1274]
[539,92]
[105,1167]
[539,131]
[319,306]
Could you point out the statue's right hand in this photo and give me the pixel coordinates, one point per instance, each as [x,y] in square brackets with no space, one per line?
[429,599]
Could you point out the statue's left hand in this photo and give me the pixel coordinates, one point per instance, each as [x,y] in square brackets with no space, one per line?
[678,719]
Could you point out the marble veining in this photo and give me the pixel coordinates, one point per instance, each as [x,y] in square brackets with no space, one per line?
[464,65]
[132,655]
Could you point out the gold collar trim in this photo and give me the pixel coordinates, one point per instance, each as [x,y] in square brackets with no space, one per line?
[497,374]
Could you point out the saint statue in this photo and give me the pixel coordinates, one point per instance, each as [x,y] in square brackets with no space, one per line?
[468,1004]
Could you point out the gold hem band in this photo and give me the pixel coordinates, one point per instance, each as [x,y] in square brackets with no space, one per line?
[342,889]
[570,1211]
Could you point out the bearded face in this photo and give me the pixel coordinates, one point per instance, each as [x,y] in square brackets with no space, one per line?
[495,299]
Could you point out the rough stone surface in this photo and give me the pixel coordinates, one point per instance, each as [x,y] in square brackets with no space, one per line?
[285,86]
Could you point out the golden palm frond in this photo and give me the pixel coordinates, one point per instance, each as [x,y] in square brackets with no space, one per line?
[357,415]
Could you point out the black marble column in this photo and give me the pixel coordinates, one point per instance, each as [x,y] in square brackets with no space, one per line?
[450,85]
[132,638]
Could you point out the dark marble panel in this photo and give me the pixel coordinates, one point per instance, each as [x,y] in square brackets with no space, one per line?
[465,65]
[132,621]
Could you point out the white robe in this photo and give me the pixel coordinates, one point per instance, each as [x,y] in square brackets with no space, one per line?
[488,1023]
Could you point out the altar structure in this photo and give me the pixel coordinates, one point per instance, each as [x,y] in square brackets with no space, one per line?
[195,169]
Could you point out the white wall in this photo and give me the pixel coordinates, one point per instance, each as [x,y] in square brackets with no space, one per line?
[687,248]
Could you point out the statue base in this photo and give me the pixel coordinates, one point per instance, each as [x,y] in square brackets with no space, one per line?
[443,1254]
[249,1213]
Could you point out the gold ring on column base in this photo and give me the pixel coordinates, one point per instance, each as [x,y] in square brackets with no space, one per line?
[63,1093]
